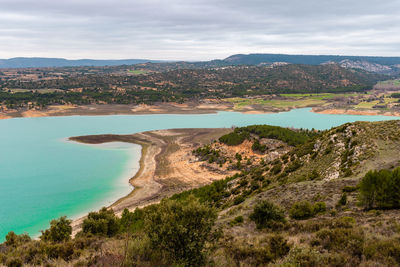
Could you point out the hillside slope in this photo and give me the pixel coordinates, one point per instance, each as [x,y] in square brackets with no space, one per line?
[296,200]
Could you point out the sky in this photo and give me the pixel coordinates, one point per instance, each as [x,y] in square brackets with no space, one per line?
[197,30]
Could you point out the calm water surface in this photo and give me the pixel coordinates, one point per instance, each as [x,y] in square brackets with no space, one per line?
[42,176]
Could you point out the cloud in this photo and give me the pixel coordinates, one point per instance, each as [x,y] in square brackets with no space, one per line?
[197,30]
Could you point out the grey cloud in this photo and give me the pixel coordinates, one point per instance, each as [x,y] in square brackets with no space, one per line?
[196,30]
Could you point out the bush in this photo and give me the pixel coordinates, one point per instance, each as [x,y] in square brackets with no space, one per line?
[103,223]
[257,253]
[64,251]
[349,189]
[387,251]
[278,246]
[345,222]
[277,168]
[350,240]
[313,258]
[14,262]
[180,229]
[235,138]
[268,215]
[319,207]
[239,199]
[380,189]
[258,147]
[302,210]
[132,221]
[237,220]
[343,200]
[13,240]
[60,230]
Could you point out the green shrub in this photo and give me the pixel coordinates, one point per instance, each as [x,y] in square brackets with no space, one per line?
[239,199]
[343,200]
[345,222]
[237,220]
[132,221]
[387,251]
[257,147]
[302,210]
[13,240]
[211,194]
[293,166]
[180,229]
[319,207]
[349,189]
[380,189]
[64,251]
[312,258]
[314,175]
[60,230]
[235,138]
[103,223]
[277,168]
[268,215]
[278,246]
[339,239]
[258,253]
[14,262]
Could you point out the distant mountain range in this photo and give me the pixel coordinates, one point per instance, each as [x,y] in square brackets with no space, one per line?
[389,65]
[383,65]
[37,62]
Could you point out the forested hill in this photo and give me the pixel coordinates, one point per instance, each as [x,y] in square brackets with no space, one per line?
[24,62]
[255,59]
[189,84]
[387,65]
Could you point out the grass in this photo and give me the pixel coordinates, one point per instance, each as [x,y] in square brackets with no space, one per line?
[391,82]
[320,96]
[241,103]
[370,105]
[138,72]
[289,101]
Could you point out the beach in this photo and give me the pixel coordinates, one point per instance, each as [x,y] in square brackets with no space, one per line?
[167,165]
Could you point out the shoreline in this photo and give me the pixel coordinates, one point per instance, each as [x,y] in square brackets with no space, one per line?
[156,178]
[355,112]
[175,108]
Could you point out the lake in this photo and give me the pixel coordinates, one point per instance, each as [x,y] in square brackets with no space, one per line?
[43,176]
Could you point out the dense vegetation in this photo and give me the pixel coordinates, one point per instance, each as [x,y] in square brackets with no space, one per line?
[381,189]
[291,137]
[181,84]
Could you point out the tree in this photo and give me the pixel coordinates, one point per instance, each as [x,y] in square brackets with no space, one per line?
[60,230]
[180,229]
[380,189]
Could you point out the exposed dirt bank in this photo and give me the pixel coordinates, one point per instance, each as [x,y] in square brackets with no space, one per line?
[167,165]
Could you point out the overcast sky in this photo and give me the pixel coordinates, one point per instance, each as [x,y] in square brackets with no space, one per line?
[197,30]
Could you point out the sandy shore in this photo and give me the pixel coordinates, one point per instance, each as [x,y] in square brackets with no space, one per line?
[167,165]
[355,112]
[114,109]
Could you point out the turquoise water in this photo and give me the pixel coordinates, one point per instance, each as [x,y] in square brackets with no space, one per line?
[42,176]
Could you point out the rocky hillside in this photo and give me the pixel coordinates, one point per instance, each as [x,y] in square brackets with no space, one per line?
[314,203]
